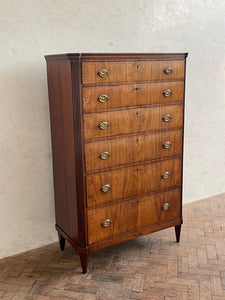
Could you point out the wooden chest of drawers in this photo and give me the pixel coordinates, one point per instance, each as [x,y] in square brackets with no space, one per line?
[117,142]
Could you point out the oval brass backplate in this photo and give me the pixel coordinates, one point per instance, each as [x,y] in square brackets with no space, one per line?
[166,175]
[167,92]
[103,98]
[165,206]
[105,155]
[106,188]
[103,73]
[103,125]
[168,70]
[167,145]
[167,117]
[106,223]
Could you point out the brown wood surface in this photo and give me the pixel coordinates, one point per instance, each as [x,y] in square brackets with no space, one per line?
[131,71]
[133,214]
[79,154]
[132,181]
[131,95]
[62,130]
[123,237]
[116,56]
[134,138]
[132,120]
[131,149]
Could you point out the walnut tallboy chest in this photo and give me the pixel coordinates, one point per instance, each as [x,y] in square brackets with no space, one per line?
[117,142]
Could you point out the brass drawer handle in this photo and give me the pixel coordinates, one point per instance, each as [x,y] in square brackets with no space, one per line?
[105,155]
[103,98]
[167,117]
[106,188]
[103,125]
[166,175]
[103,73]
[166,206]
[167,145]
[168,70]
[106,223]
[167,92]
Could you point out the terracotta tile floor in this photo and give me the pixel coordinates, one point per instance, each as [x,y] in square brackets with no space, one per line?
[150,267]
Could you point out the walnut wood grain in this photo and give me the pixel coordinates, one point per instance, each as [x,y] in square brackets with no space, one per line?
[131,95]
[131,149]
[131,71]
[134,137]
[62,131]
[132,181]
[133,214]
[132,120]
[79,155]
[121,237]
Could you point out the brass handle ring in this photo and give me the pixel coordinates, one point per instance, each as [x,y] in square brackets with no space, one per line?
[167,92]
[103,125]
[105,155]
[167,117]
[166,175]
[167,145]
[168,70]
[106,223]
[103,98]
[166,206]
[106,188]
[103,73]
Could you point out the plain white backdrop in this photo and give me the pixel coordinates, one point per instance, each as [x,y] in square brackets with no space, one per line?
[31,29]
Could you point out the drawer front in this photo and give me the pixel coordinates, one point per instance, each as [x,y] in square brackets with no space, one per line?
[110,186]
[131,71]
[133,214]
[105,97]
[132,149]
[132,121]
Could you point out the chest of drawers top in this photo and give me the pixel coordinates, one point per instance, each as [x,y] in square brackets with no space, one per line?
[115,56]
[125,67]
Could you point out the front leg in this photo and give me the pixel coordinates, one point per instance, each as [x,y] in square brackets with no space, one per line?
[177,231]
[62,242]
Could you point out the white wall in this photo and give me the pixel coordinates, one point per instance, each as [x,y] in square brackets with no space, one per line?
[29,29]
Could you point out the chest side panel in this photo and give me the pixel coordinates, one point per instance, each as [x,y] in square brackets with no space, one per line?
[63,149]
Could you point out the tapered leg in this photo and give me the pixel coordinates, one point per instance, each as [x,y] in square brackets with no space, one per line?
[62,242]
[177,231]
[84,261]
